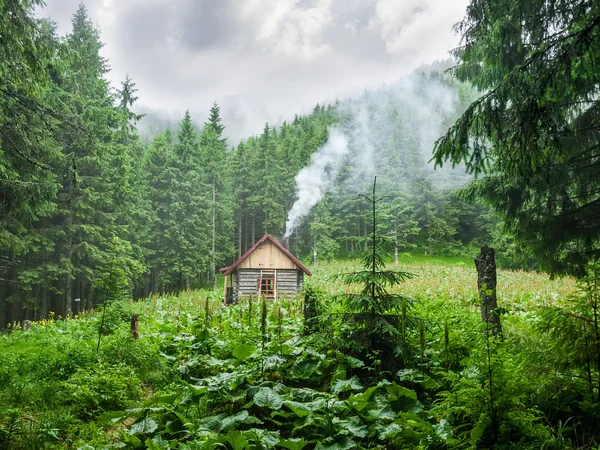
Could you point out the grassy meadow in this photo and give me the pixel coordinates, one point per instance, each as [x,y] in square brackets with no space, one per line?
[253,376]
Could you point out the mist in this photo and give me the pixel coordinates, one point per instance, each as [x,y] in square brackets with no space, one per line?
[389,132]
[313,181]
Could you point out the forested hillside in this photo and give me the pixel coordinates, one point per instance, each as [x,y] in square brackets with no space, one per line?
[87,203]
[401,200]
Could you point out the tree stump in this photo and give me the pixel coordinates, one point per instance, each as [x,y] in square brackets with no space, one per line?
[134,326]
[485,262]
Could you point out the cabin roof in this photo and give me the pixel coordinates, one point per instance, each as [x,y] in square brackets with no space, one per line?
[227,270]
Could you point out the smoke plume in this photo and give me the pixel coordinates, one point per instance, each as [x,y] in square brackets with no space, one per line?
[314,181]
[389,132]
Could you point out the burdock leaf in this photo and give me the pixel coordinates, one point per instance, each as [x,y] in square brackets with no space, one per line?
[267,397]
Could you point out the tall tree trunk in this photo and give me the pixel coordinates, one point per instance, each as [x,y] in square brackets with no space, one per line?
[68,300]
[3,295]
[43,309]
[67,305]
[8,310]
[240,233]
[154,279]
[246,232]
[594,293]
[253,227]
[214,235]
[92,300]
[485,262]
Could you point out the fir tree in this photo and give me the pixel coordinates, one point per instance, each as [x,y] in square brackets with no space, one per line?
[376,319]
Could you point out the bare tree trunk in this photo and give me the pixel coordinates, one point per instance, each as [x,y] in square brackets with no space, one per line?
[8,310]
[214,236]
[594,294]
[240,234]
[154,280]
[68,294]
[3,305]
[67,305]
[43,309]
[485,262]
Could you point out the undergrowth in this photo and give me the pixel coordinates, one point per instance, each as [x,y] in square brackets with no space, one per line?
[255,376]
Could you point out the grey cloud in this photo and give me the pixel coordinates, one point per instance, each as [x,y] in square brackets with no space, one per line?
[207,23]
[262,60]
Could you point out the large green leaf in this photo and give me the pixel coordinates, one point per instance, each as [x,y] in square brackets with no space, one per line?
[234,421]
[354,362]
[305,369]
[156,443]
[304,409]
[112,417]
[338,442]
[403,399]
[212,423]
[225,381]
[387,431]
[293,444]
[384,413]
[146,426]
[243,351]
[267,397]
[236,440]
[273,362]
[134,441]
[352,425]
[260,438]
[346,385]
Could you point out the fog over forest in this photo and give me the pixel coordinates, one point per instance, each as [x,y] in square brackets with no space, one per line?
[299,224]
[261,61]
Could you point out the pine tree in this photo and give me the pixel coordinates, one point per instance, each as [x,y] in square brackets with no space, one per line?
[267,196]
[28,151]
[159,173]
[85,198]
[239,161]
[376,320]
[533,136]
[188,221]
[214,156]
[214,119]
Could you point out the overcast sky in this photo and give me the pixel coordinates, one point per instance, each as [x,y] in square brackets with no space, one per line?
[263,60]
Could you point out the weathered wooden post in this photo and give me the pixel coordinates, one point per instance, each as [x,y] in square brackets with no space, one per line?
[485,262]
[134,326]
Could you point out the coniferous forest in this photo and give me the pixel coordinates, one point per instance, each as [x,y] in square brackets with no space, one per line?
[398,340]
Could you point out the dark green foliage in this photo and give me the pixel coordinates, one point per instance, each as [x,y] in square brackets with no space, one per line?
[376,319]
[105,388]
[313,296]
[81,196]
[89,216]
[532,137]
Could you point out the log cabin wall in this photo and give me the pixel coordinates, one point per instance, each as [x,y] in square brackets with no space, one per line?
[246,281]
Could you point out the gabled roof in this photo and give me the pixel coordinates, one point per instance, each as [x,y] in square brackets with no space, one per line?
[227,270]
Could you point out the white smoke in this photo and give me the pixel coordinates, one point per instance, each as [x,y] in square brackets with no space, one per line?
[313,181]
[414,111]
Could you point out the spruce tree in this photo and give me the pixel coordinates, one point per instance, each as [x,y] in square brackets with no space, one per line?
[214,158]
[188,221]
[532,137]
[376,320]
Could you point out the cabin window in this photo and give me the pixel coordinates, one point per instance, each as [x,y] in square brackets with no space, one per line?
[266,286]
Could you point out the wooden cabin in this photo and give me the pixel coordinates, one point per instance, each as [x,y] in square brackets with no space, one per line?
[268,269]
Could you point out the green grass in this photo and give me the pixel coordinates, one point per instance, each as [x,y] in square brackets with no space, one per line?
[455,280]
[199,365]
